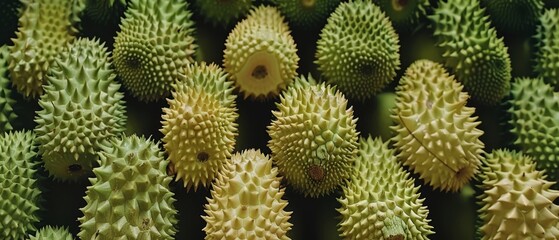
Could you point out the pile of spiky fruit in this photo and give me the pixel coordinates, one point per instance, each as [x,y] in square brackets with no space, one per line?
[279,119]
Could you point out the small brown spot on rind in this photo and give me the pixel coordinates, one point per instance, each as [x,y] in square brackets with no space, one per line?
[316,172]
[202,156]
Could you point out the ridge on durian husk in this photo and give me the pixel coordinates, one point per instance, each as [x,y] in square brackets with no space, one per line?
[358,50]
[223,13]
[7,114]
[105,11]
[405,15]
[533,106]
[45,27]
[199,125]
[517,201]
[313,137]
[81,106]
[514,17]
[19,187]
[547,47]
[436,133]
[52,233]
[129,197]
[306,13]
[380,189]
[246,201]
[155,41]
[260,54]
[472,49]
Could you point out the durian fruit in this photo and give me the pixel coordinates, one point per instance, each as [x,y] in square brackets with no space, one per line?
[9,10]
[313,137]
[52,233]
[45,27]
[517,201]
[81,106]
[105,11]
[405,15]
[358,50]
[478,58]
[380,196]
[306,13]
[7,114]
[547,47]
[533,107]
[155,40]
[129,197]
[199,125]
[18,185]
[436,133]
[260,54]
[246,201]
[223,13]
[514,17]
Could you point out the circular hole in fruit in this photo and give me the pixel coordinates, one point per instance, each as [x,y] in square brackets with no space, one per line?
[316,172]
[202,156]
[75,168]
[259,72]
[399,5]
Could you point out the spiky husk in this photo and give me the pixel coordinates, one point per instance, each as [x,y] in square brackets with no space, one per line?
[246,201]
[45,27]
[517,202]
[533,108]
[405,15]
[313,137]
[547,47]
[514,17]
[436,133]
[105,11]
[129,198]
[52,233]
[155,41]
[379,191]
[18,185]
[223,13]
[306,13]
[260,54]
[199,125]
[472,50]
[81,106]
[358,50]
[7,114]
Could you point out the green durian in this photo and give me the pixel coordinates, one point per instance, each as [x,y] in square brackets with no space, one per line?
[19,189]
[513,17]
[9,10]
[533,107]
[380,194]
[45,27]
[313,137]
[105,11]
[199,125]
[7,114]
[81,106]
[358,50]
[547,47]
[478,58]
[155,41]
[246,201]
[517,201]
[52,233]
[405,15]
[129,197]
[223,13]
[306,13]
[436,133]
[260,54]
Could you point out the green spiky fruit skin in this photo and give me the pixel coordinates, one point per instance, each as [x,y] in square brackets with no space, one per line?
[481,63]
[405,15]
[313,137]
[81,106]
[18,185]
[7,114]
[533,108]
[105,11]
[45,27]
[129,197]
[155,41]
[517,202]
[306,13]
[436,133]
[514,17]
[263,31]
[223,13]
[246,201]
[547,47]
[52,233]
[199,125]
[380,188]
[9,10]
[358,50]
